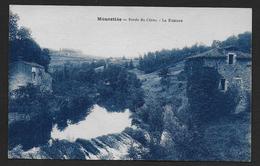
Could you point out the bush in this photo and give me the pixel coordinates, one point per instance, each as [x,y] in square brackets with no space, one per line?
[34,130]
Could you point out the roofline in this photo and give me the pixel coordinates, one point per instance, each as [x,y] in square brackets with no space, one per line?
[29,63]
[199,56]
[219,57]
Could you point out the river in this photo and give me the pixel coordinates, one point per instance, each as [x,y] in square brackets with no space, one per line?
[97,123]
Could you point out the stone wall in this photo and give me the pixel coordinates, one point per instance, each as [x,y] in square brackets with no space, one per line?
[21,73]
[237,74]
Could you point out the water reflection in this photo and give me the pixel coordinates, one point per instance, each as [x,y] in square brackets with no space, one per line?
[99,122]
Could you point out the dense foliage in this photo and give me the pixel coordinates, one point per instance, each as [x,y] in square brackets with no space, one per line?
[207,106]
[22,46]
[34,128]
[75,90]
[119,89]
[156,60]
[243,42]
[81,86]
[153,61]
[206,101]
[207,117]
[197,131]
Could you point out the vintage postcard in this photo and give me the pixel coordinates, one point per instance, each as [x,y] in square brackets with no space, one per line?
[129,83]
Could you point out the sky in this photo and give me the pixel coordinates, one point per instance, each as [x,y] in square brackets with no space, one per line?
[77,27]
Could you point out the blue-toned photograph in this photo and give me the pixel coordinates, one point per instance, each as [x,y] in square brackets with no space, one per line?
[129,83]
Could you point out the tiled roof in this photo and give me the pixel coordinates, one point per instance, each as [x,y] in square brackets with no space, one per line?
[220,53]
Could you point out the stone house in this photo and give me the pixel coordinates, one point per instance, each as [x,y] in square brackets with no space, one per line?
[22,73]
[234,67]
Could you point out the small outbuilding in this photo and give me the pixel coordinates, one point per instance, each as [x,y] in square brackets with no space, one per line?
[22,73]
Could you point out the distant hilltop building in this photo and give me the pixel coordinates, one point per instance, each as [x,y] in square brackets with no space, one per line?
[68,52]
[233,66]
[22,73]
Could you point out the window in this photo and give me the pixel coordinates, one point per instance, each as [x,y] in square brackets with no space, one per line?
[238,82]
[33,76]
[33,73]
[231,58]
[223,84]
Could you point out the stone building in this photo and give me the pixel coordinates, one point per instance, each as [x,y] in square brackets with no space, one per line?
[21,73]
[234,67]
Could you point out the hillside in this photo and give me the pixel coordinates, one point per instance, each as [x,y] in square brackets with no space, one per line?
[184,104]
[174,104]
[168,106]
[62,57]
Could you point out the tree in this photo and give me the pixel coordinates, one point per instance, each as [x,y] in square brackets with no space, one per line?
[131,65]
[153,61]
[24,33]
[215,44]
[45,58]
[245,42]
[13,26]
[230,41]
[126,65]
[34,130]
[165,79]
[22,45]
